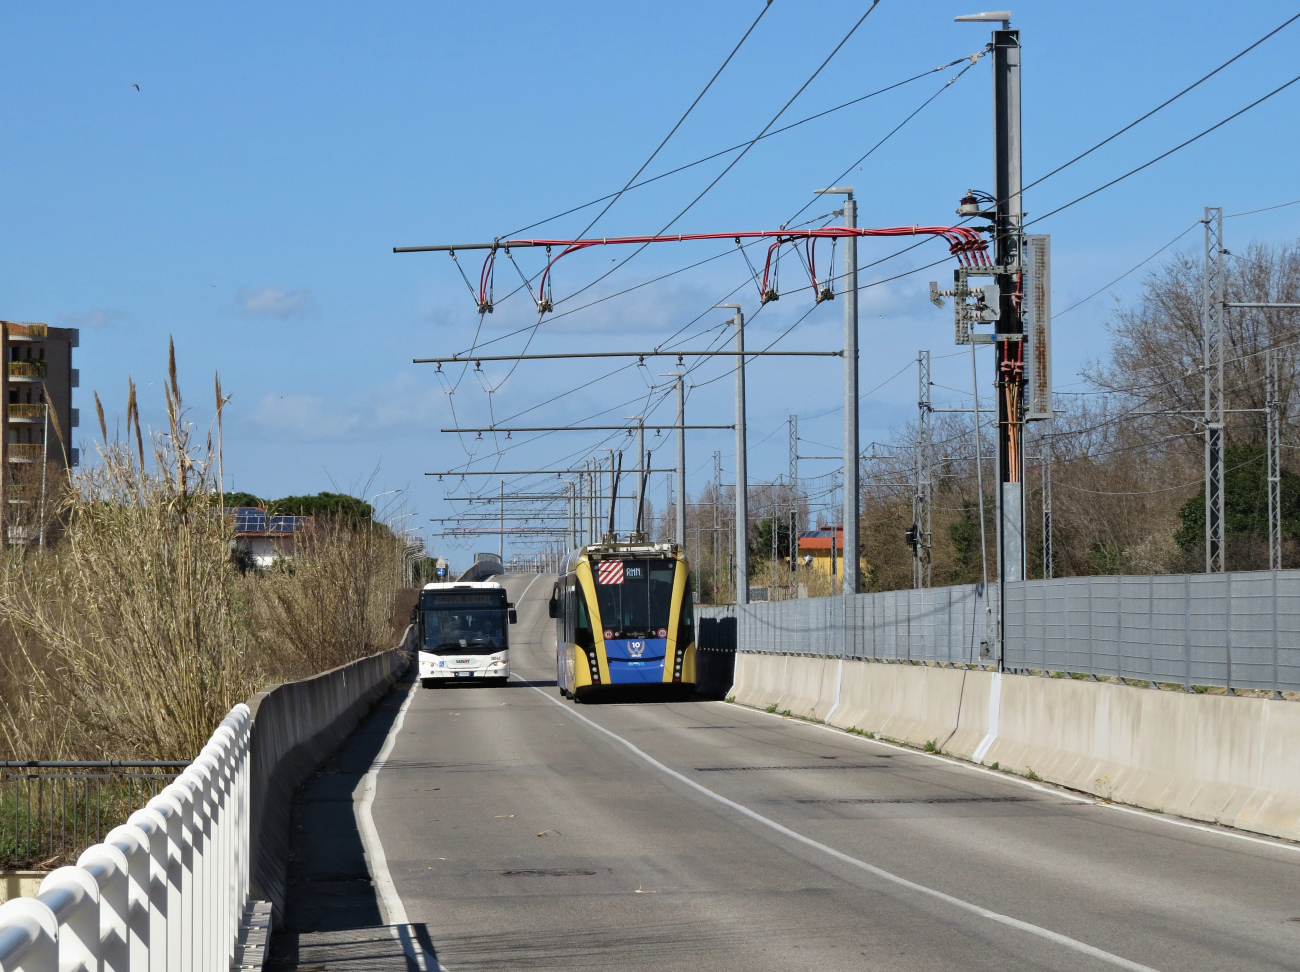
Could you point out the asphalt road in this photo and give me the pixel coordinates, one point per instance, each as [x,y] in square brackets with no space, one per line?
[524,832]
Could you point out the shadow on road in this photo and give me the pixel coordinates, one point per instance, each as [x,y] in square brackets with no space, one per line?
[332,916]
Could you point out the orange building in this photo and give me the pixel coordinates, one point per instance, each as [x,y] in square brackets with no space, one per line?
[823,550]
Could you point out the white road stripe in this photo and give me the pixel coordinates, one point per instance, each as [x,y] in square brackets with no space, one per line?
[1051,936]
[390,902]
[956,762]
[529,587]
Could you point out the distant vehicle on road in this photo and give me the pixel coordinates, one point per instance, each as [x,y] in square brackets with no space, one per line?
[463,630]
[624,617]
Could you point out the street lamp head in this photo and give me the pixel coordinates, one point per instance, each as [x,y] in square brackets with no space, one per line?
[726,307]
[987,16]
[835,191]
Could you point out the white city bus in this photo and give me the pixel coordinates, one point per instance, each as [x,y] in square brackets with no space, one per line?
[463,632]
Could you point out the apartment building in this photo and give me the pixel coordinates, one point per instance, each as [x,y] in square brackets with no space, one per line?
[40,375]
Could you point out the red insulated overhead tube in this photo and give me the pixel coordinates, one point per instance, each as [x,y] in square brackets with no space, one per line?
[963,242]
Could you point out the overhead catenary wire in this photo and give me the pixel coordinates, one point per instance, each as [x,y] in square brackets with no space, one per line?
[1164,155]
[740,145]
[1164,104]
[767,5]
[745,151]
[1128,271]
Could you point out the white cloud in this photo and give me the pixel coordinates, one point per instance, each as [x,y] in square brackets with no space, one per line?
[273,301]
[402,410]
[96,318]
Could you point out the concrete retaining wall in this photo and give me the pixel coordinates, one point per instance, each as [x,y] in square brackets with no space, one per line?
[20,884]
[296,727]
[1228,760]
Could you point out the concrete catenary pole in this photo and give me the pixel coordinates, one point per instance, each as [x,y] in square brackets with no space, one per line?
[742,473]
[852,483]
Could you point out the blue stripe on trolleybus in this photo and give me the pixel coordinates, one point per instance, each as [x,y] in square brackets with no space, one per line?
[636,672]
[635,660]
[636,649]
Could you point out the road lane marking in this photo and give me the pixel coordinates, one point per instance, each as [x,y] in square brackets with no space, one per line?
[529,587]
[956,762]
[390,902]
[1071,943]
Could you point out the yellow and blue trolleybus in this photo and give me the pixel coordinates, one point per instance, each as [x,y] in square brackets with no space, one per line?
[624,617]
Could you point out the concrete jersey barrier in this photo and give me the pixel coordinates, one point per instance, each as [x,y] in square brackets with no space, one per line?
[1223,759]
[296,727]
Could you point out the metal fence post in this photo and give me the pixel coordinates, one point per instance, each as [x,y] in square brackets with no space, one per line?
[1227,640]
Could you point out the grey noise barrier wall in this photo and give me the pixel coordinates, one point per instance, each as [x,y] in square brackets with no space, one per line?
[296,727]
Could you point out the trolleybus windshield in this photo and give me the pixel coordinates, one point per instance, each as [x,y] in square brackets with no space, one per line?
[459,623]
[635,597]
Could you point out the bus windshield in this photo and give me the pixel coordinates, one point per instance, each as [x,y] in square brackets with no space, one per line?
[464,622]
[635,597]
[453,631]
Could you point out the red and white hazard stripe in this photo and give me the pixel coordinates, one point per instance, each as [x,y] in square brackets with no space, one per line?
[609,572]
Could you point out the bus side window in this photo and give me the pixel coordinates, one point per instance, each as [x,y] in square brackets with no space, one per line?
[582,635]
[686,617]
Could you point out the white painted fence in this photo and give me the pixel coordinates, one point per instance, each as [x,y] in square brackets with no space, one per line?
[165,892]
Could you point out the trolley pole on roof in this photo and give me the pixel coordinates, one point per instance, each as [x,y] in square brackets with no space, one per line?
[640,471]
[681,462]
[742,472]
[573,515]
[679,501]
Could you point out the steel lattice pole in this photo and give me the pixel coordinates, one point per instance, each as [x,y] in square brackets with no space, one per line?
[1212,364]
[1274,466]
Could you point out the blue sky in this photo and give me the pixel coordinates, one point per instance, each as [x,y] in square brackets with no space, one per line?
[246,199]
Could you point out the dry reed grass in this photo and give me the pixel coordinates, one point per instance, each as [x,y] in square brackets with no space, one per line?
[331,603]
[133,636]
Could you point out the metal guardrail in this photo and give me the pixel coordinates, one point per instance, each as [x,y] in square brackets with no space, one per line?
[164,891]
[50,811]
[1238,630]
